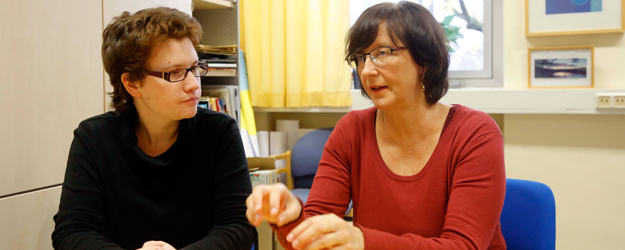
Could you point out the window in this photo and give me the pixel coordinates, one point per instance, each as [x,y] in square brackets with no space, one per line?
[476,35]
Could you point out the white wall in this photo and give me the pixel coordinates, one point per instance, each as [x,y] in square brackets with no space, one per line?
[581,157]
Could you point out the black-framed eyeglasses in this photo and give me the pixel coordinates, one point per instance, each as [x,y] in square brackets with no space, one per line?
[181,74]
[380,54]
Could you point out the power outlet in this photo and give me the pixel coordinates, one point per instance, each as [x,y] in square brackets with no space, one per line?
[619,101]
[604,101]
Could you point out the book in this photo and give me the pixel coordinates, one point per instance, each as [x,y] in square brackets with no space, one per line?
[222,65]
[226,99]
[219,50]
[221,72]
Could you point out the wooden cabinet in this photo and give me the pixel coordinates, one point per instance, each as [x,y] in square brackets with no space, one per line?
[51,76]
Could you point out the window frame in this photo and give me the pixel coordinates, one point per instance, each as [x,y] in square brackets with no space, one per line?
[492,75]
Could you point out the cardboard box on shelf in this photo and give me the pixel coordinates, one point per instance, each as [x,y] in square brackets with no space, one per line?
[263,171]
[263,177]
[261,163]
[267,170]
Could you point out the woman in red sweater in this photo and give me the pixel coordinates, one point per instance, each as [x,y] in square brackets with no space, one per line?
[421,174]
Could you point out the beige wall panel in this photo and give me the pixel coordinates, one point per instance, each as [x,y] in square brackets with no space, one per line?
[51,77]
[27,222]
[113,8]
[582,159]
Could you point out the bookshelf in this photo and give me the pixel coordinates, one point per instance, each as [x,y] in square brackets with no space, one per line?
[212,4]
[219,19]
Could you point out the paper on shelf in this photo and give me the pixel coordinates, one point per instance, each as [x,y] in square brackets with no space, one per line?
[263,143]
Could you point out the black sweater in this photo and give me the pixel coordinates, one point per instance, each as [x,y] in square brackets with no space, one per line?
[192,196]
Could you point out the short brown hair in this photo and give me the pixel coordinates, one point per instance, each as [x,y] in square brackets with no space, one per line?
[128,40]
[415,26]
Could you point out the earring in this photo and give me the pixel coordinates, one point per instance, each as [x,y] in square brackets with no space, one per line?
[423,82]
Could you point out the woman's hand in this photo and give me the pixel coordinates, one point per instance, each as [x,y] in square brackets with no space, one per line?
[326,231]
[273,203]
[156,245]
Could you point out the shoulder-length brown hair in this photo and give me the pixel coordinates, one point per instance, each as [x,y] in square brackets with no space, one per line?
[128,40]
[415,26]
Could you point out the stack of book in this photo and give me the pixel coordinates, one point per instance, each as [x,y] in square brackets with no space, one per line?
[221,69]
[223,99]
[213,103]
[218,50]
[221,60]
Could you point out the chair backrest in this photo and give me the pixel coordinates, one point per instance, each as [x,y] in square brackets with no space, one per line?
[528,218]
[306,156]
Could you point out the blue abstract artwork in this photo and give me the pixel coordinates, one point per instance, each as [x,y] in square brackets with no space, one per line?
[572,6]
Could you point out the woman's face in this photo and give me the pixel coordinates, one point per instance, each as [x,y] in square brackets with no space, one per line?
[161,99]
[395,83]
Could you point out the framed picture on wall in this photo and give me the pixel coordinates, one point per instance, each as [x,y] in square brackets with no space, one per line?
[570,17]
[570,67]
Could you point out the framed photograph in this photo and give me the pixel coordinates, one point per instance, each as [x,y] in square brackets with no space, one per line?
[570,17]
[570,67]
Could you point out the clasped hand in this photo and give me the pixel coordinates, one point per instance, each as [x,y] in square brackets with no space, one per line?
[277,205]
[156,245]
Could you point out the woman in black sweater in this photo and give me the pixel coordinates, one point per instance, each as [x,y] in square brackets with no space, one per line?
[158,172]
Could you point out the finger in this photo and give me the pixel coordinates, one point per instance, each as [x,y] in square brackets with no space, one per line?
[258,195]
[152,243]
[276,197]
[169,247]
[249,213]
[151,248]
[327,241]
[312,227]
[325,221]
[341,247]
[160,243]
[291,210]
[298,229]
[308,235]
[166,246]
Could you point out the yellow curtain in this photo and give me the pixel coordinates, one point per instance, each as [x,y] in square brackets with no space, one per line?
[295,52]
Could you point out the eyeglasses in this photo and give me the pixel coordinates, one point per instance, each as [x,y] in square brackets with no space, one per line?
[181,74]
[379,54]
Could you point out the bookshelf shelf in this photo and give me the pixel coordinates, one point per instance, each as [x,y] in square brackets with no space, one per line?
[211,4]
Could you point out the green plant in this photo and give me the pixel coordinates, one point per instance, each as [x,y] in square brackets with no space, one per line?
[452,32]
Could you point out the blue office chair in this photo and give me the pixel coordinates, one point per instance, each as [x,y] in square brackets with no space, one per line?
[528,218]
[305,161]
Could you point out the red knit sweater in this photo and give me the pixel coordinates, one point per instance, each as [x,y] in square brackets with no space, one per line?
[454,202]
